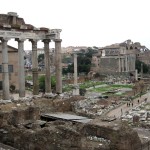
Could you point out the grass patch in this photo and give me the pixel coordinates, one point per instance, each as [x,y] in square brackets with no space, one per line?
[90,84]
[84,85]
[109,88]
[29,78]
[67,88]
[122,86]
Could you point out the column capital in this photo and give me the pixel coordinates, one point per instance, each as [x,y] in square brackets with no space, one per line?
[33,40]
[20,39]
[46,41]
[57,40]
[34,44]
[4,39]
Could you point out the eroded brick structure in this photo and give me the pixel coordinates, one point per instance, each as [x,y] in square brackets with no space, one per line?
[119,58]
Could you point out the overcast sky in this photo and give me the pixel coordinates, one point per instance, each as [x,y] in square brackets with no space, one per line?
[86,22]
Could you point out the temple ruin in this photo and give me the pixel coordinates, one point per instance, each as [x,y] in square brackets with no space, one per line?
[14,27]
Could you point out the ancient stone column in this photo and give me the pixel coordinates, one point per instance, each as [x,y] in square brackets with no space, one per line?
[5,70]
[21,71]
[47,66]
[122,69]
[141,70]
[130,63]
[58,65]
[76,87]
[75,70]
[35,68]
[119,69]
[134,60]
[136,75]
[126,64]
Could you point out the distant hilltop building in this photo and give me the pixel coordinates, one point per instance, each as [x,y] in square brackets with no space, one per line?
[119,58]
[70,49]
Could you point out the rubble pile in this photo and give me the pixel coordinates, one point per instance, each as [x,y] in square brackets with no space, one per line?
[139,114]
[51,137]
[21,127]
[19,116]
[117,136]
[62,105]
[94,107]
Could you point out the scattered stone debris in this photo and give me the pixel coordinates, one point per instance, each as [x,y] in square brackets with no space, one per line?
[21,125]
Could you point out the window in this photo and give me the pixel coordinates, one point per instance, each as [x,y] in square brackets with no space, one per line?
[1,85]
[10,68]
[0,68]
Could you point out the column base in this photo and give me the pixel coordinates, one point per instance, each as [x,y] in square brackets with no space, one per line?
[25,98]
[76,92]
[37,96]
[5,101]
[50,95]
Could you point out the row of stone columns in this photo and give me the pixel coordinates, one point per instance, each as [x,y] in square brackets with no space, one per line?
[21,71]
[126,64]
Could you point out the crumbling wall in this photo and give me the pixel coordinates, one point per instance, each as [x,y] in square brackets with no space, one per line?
[8,19]
[123,138]
[19,116]
[66,104]
[49,138]
[3,118]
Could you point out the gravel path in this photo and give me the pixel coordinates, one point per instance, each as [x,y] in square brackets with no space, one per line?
[123,108]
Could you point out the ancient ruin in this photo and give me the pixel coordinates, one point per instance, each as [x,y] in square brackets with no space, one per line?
[113,114]
[13,27]
[119,58]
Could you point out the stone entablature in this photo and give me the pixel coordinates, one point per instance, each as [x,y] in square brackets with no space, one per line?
[37,35]
[21,35]
[112,52]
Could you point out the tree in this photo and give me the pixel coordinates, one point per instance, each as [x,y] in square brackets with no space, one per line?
[42,82]
[138,66]
[67,59]
[141,86]
[82,91]
[135,88]
[41,58]
[84,61]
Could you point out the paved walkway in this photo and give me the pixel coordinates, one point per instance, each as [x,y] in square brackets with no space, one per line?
[123,108]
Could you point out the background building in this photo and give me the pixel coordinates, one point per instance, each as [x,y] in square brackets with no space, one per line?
[13,66]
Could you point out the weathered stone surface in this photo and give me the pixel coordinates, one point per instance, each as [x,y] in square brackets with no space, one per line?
[3,118]
[48,138]
[19,116]
[67,104]
[21,129]
[122,138]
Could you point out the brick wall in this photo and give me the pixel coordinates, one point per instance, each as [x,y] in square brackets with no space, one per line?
[12,60]
[109,65]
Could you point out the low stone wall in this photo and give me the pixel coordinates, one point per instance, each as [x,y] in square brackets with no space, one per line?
[47,138]
[19,116]
[122,138]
